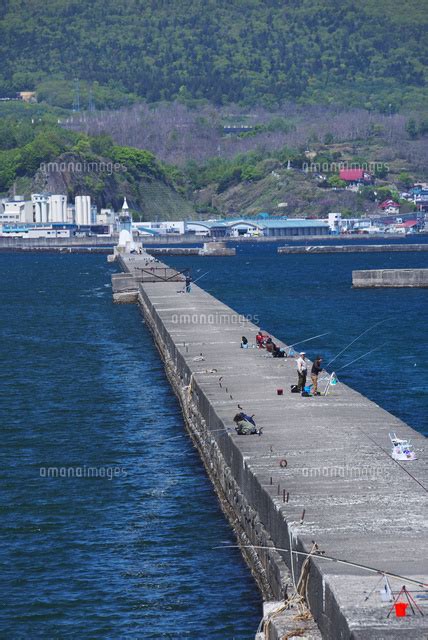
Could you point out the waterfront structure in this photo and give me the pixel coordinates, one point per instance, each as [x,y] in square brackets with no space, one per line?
[160,227]
[41,206]
[49,207]
[268,227]
[82,206]
[16,211]
[105,216]
[390,278]
[335,222]
[37,231]
[353,248]
[297,490]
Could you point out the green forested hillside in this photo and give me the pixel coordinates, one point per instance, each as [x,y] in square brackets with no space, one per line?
[365,53]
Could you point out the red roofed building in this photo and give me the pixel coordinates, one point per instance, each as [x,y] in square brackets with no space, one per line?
[390,207]
[356,176]
[408,226]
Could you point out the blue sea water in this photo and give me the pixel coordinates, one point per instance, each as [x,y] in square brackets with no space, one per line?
[125,547]
[295,297]
[131,553]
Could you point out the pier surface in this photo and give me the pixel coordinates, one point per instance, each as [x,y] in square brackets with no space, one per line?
[320,472]
[390,278]
[354,248]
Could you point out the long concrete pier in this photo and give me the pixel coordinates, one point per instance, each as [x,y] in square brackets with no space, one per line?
[320,478]
[390,278]
[354,248]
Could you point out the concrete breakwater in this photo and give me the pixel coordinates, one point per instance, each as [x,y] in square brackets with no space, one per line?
[208,249]
[354,248]
[390,278]
[320,472]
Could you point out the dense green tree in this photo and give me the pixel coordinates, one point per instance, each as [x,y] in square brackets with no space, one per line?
[412,129]
[249,51]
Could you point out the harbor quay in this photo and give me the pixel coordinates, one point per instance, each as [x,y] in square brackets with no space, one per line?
[354,248]
[321,510]
[365,278]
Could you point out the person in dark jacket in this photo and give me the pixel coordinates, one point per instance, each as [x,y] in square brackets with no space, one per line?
[315,371]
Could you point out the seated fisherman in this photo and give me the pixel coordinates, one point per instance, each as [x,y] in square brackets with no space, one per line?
[278,352]
[260,340]
[245,425]
[270,345]
[244,343]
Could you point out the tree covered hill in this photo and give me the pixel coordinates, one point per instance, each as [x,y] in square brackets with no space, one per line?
[366,53]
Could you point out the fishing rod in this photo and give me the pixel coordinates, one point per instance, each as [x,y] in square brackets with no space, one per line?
[352,361]
[330,559]
[320,335]
[363,356]
[357,338]
[193,281]
[204,274]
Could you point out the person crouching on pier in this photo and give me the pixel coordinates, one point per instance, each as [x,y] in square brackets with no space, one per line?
[244,343]
[301,371]
[316,369]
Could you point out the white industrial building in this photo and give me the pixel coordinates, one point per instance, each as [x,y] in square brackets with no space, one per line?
[82,210]
[271,227]
[106,217]
[16,211]
[48,207]
[164,227]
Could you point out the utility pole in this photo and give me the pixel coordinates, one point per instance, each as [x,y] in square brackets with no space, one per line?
[91,102]
[76,98]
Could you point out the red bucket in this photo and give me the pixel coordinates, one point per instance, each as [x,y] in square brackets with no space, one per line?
[400,609]
[279,392]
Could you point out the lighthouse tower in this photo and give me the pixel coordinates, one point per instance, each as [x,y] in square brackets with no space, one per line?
[126,243]
[125,219]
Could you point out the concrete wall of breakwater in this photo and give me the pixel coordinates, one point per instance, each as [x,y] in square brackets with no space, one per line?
[29,244]
[338,485]
[354,248]
[390,278]
[32,244]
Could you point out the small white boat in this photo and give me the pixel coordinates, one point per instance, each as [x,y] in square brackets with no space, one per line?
[401,449]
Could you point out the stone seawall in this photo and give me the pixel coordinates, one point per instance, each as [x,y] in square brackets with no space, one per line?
[354,248]
[390,278]
[320,472]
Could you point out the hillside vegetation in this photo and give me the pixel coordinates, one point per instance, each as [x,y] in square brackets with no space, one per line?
[367,53]
[38,155]
[269,168]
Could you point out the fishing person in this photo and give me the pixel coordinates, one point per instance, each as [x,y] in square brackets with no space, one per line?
[188,284]
[315,371]
[246,425]
[244,343]
[261,339]
[302,369]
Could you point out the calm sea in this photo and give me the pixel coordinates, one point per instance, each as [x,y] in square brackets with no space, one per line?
[124,547]
[121,543]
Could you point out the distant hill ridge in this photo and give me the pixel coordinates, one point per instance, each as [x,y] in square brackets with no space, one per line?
[365,53]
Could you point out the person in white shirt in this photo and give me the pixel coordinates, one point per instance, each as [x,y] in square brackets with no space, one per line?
[302,370]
